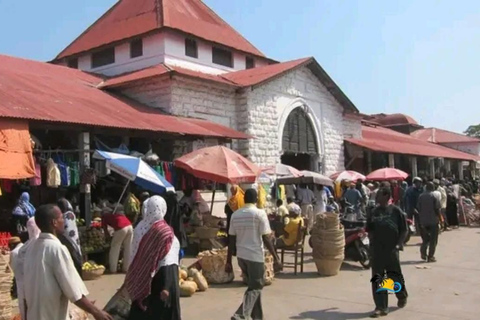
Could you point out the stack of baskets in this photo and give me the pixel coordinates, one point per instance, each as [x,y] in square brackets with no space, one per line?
[328,242]
[6,281]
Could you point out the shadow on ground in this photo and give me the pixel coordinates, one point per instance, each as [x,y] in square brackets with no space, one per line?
[332,314]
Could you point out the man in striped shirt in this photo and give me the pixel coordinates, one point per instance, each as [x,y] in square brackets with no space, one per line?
[249,232]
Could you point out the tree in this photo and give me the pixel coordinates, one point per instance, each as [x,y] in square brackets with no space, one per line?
[473,131]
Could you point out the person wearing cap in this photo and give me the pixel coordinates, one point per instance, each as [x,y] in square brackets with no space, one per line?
[122,236]
[290,232]
[411,200]
[355,198]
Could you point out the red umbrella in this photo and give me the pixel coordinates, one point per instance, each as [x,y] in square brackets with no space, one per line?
[387,174]
[219,164]
[349,175]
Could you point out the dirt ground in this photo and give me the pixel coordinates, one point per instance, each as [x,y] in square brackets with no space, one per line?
[445,290]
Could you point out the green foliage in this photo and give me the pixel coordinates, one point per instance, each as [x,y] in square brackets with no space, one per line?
[473,131]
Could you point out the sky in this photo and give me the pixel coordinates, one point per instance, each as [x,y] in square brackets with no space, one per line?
[419,58]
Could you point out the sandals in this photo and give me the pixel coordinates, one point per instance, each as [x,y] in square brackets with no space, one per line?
[378,314]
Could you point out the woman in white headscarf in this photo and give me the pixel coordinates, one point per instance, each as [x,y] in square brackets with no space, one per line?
[152,278]
[140,230]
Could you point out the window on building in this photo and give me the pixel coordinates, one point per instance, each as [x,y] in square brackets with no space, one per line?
[104,57]
[191,49]
[249,63]
[73,63]
[222,57]
[136,48]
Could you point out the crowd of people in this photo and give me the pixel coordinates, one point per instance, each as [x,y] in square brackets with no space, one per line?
[47,257]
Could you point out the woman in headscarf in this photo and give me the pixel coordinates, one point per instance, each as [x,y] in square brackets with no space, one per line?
[70,237]
[452,209]
[139,231]
[235,202]
[174,218]
[22,212]
[152,279]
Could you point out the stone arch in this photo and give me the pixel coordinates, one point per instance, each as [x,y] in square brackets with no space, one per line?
[300,107]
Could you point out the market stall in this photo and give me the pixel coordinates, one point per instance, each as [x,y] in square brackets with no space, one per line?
[221,166]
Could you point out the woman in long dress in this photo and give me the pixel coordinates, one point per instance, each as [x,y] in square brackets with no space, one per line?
[22,212]
[235,202]
[70,237]
[152,279]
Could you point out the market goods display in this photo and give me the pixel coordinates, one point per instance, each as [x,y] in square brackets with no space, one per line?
[213,266]
[187,288]
[269,272]
[92,271]
[6,281]
[93,240]
[328,242]
[119,305]
[199,279]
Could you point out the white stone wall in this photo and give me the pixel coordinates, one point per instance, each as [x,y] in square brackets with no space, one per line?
[154,92]
[269,105]
[205,100]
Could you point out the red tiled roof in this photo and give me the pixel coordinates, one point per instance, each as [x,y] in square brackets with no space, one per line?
[242,78]
[45,92]
[156,71]
[251,77]
[131,18]
[385,140]
[442,136]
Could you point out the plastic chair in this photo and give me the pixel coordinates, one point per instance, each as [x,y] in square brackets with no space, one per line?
[297,249]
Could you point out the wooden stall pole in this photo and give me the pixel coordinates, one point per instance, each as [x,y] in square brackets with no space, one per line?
[85,189]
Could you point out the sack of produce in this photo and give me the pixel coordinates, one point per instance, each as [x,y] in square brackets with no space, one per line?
[213,266]
[6,281]
[328,267]
[119,305]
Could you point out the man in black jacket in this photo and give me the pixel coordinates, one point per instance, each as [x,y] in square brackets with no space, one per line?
[387,227]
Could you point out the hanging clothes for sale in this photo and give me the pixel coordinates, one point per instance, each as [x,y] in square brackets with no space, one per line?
[64,170]
[7,186]
[37,180]
[74,173]
[53,174]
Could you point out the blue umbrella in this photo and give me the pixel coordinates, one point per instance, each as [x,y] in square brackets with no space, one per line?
[135,170]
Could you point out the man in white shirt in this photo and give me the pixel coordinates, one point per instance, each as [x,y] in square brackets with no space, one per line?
[249,231]
[440,187]
[306,197]
[321,200]
[50,278]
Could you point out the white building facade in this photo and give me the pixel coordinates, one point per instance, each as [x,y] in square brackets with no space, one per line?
[294,111]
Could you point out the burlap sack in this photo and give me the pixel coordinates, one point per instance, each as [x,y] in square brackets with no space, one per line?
[213,266]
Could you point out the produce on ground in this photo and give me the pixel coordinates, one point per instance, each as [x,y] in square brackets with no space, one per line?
[93,240]
[213,266]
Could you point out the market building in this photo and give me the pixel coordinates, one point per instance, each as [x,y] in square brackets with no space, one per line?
[182,58]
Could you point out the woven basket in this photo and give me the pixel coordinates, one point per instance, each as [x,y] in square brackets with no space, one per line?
[93,274]
[206,233]
[328,267]
[326,221]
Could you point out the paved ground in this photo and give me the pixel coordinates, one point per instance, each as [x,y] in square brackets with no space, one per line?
[447,290]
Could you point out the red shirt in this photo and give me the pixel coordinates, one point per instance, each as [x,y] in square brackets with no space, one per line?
[116,221]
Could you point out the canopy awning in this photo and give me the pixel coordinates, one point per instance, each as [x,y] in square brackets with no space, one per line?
[16,159]
[389,141]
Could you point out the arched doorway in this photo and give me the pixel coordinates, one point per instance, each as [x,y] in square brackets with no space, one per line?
[299,141]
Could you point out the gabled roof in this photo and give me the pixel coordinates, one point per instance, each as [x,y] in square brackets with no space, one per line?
[436,135]
[392,120]
[46,92]
[131,18]
[389,141]
[240,79]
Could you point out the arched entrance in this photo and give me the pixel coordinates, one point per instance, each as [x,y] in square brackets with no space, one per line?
[299,141]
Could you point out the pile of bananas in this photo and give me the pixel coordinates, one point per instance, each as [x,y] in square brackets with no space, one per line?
[91,266]
[222,234]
